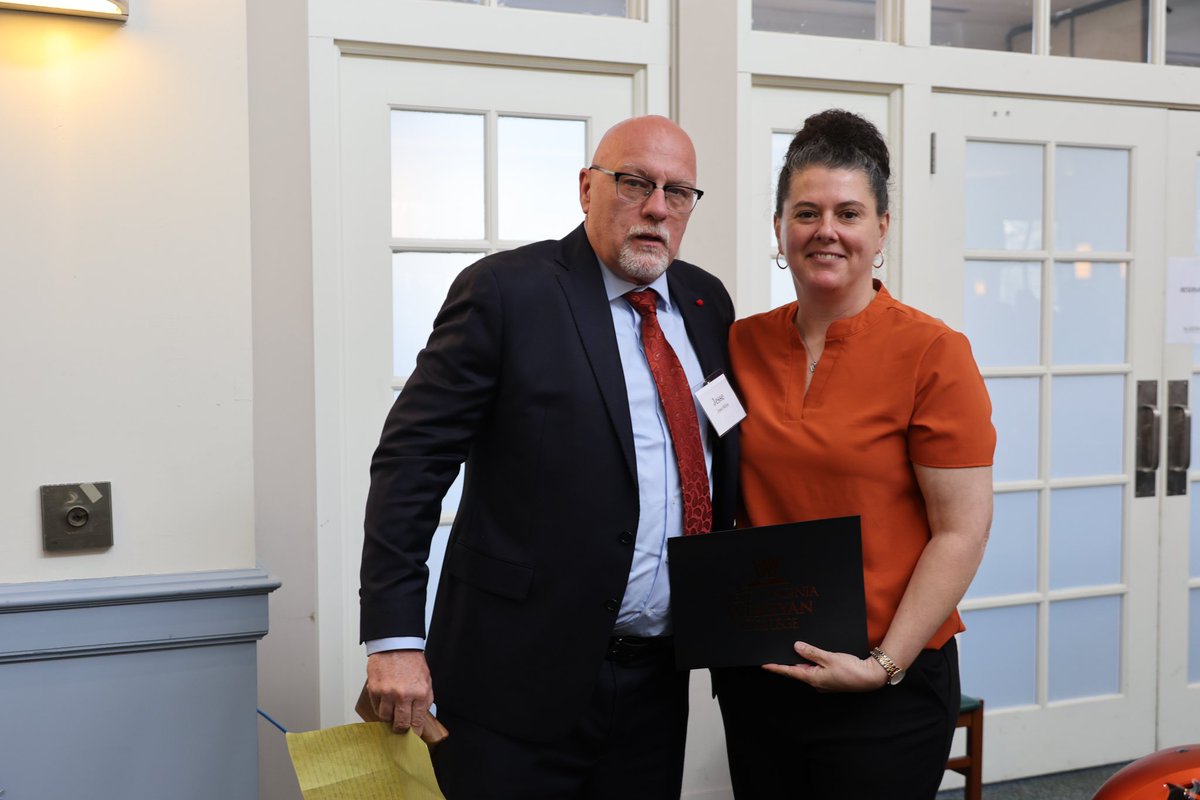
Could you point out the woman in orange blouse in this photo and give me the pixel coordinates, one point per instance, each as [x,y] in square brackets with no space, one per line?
[857,405]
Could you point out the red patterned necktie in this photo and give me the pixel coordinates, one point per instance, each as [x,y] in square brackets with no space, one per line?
[677,403]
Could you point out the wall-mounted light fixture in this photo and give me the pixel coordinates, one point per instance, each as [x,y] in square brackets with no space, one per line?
[103,9]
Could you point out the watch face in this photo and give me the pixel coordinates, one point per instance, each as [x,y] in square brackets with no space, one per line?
[897,677]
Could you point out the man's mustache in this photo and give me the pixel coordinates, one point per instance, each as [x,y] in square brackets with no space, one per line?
[650,230]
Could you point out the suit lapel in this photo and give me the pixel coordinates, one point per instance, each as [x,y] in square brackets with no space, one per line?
[584,288]
[698,319]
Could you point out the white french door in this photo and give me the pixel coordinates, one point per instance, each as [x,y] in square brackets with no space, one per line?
[441,163]
[1050,255]
[1179,559]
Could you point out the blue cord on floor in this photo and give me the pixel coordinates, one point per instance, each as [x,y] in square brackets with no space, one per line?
[267,717]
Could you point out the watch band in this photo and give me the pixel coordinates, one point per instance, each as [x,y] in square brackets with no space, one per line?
[894,673]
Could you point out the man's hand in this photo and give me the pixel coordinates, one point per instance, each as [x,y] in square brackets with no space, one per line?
[400,688]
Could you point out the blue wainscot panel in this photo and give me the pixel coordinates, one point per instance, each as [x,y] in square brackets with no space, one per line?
[139,688]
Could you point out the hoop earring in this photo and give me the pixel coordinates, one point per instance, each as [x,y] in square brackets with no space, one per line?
[879,255]
[781,266]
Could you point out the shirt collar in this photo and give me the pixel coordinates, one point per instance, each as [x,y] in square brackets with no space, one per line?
[617,286]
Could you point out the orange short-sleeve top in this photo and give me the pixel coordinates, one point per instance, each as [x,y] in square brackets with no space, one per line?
[894,387]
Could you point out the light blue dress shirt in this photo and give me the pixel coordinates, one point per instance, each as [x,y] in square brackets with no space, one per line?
[645,608]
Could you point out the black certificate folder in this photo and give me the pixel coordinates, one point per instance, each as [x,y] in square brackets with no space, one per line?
[743,597]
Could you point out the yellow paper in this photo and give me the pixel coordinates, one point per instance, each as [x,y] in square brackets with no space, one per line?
[364,761]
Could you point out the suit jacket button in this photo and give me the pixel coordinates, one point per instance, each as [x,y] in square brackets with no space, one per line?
[626,537]
[613,605]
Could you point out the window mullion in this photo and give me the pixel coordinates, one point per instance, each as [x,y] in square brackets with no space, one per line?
[491,191]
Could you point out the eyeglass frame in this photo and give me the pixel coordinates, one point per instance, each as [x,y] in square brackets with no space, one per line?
[616,176]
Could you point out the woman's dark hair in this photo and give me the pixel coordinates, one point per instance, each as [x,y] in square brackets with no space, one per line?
[837,139]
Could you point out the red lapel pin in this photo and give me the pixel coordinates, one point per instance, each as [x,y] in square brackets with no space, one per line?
[700,302]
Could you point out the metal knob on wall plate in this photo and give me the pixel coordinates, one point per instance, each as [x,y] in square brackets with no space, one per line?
[77,516]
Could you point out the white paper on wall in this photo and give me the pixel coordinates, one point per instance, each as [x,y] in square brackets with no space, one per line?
[1183,300]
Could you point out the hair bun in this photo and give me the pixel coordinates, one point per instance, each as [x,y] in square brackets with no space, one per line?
[844,135]
[838,139]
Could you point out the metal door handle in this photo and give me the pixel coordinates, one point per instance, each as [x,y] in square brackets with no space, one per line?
[1149,430]
[1179,437]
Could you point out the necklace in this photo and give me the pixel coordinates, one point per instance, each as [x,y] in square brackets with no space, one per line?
[812,364]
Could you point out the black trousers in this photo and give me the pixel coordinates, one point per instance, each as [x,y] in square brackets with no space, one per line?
[629,743]
[786,740]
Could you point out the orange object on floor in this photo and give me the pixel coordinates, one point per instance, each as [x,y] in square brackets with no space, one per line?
[1170,774]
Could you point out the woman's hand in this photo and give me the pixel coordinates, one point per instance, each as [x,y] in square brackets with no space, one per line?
[833,672]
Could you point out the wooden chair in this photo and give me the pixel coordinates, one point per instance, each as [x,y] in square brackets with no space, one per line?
[970,765]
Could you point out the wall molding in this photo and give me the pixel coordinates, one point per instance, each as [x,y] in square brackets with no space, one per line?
[100,616]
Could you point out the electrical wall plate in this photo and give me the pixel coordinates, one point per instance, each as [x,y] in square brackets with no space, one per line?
[76,516]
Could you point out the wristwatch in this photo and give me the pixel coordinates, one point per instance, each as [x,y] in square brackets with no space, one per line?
[894,673]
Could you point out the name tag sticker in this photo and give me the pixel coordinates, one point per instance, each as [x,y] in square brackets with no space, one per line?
[722,406]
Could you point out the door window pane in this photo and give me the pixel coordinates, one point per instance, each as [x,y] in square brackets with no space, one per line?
[1085,647]
[538,163]
[1091,205]
[419,285]
[849,19]
[604,8]
[998,655]
[1183,33]
[1117,30]
[1086,423]
[1003,196]
[453,495]
[1089,312]
[783,291]
[1002,308]
[1193,397]
[437,175]
[1010,560]
[779,148]
[1194,636]
[437,555]
[1085,536]
[1015,415]
[1194,521]
[1196,251]
[984,24]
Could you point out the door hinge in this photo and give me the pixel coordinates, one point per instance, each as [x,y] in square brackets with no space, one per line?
[933,153]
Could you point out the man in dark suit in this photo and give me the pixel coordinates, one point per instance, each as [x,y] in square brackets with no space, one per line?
[549,649]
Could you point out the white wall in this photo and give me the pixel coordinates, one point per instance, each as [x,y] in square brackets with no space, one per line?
[125,285]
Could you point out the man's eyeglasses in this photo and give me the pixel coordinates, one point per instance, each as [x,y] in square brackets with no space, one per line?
[635,189]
